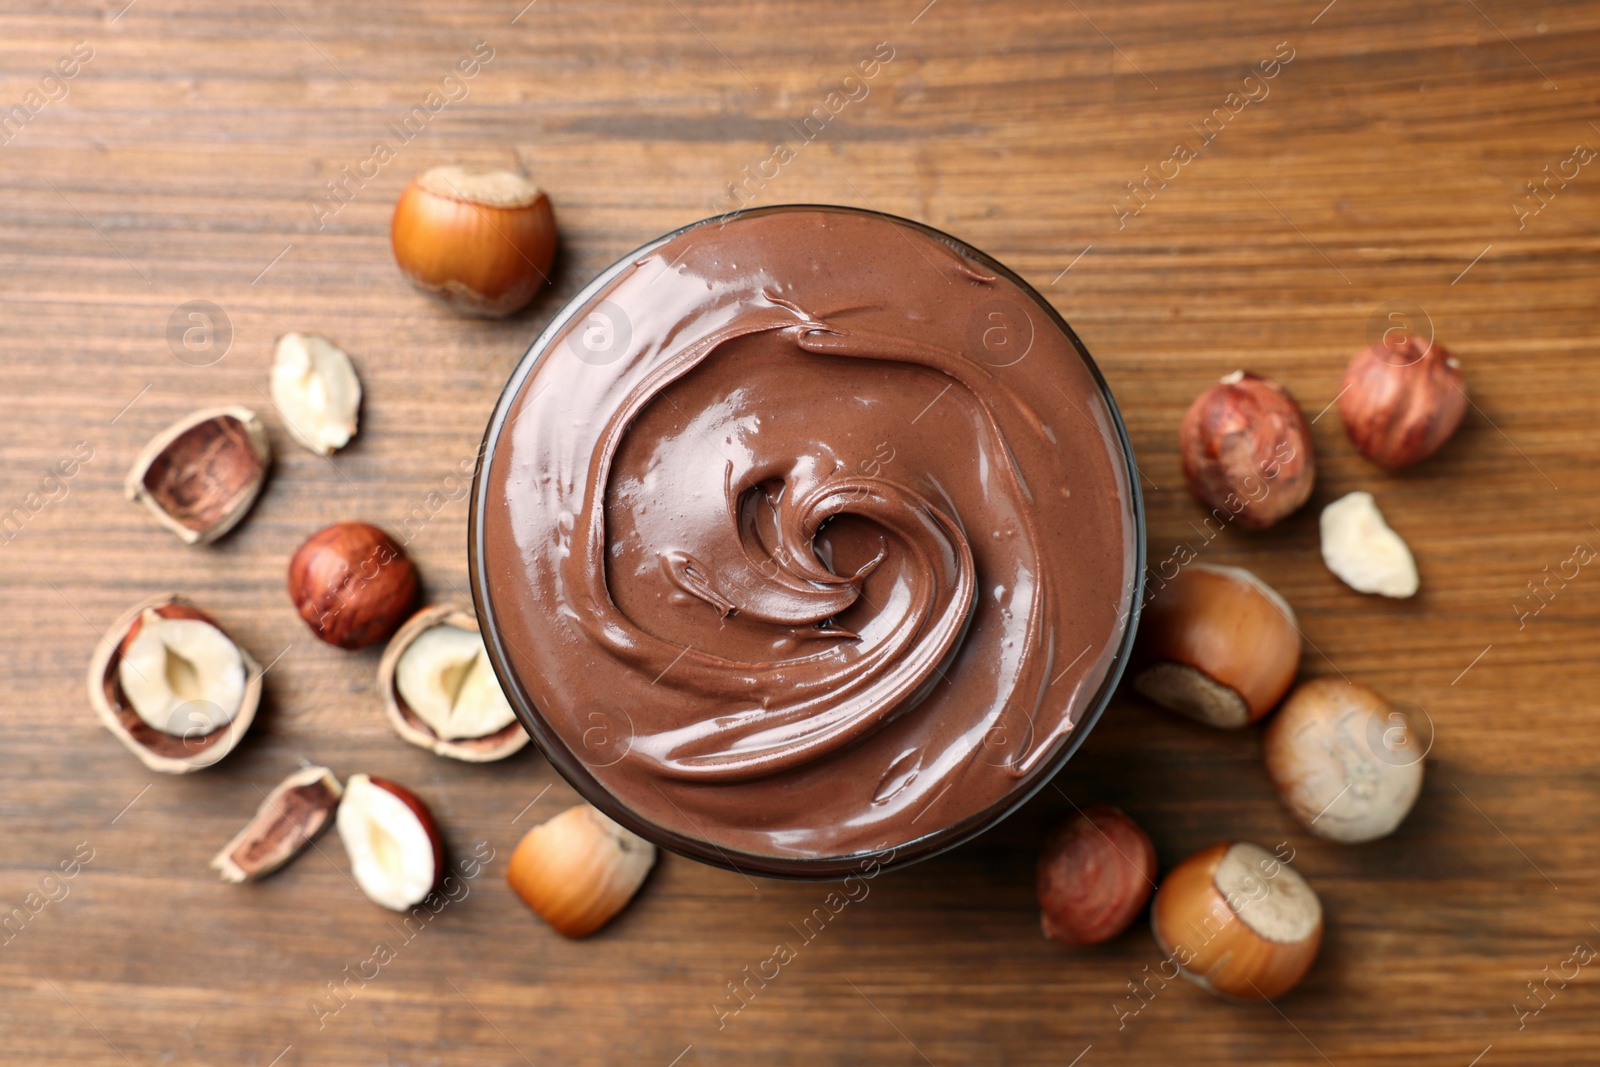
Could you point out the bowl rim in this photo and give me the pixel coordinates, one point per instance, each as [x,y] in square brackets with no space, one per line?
[812,868]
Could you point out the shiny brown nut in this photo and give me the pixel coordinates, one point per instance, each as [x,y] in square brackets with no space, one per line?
[1246,451]
[290,817]
[1217,644]
[1402,398]
[1343,760]
[200,475]
[1096,872]
[193,704]
[352,584]
[1238,921]
[480,240]
[579,870]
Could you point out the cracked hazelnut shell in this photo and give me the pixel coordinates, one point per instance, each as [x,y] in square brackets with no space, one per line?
[1218,645]
[290,817]
[163,752]
[200,475]
[1246,451]
[495,745]
[352,584]
[1402,400]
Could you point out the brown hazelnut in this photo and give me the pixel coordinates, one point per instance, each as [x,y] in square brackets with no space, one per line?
[1238,921]
[579,870]
[1217,644]
[290,817]
[1246,451]
[480,240]
[352,584]
[1343,760]
[172,686]
[200,475]
[440,691]
[1402,399]
[1096,873]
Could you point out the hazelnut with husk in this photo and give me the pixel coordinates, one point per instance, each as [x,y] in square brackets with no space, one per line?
[579,870]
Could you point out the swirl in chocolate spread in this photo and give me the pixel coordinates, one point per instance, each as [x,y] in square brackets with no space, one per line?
[828,522]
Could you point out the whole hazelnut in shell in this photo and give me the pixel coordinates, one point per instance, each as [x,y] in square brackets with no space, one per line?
[1402,399]
[352,584]
[1246,451]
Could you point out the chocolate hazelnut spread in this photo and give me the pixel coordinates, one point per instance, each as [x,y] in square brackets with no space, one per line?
[808,533]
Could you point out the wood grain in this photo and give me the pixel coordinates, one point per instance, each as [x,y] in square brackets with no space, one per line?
[1380,171]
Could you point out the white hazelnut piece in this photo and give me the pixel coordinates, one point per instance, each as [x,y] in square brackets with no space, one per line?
[182,676]
[440,690]
[1217,644]
[1238,921]
[1343,760]
[1362,551]
[396,853]
[172,686]
[579,870]
[315,388]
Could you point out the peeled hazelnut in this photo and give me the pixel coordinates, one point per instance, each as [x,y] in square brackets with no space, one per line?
[579,870]
[1217,644]
[1246,450]
[1362,551]
[1402,399]
[200,475]
[352,584]
[315,388]
[480,240]
[298,809]
[396,853]
[1343,760]
[441,692]
[1238,922]
[172,686]
[1096,872]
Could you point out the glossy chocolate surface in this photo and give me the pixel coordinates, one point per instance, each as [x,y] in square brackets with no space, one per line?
[808,534]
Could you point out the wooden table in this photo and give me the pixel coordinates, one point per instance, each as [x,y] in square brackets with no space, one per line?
[1382,170]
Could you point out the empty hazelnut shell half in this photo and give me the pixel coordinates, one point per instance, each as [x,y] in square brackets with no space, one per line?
[290,817]
[159,750]
[482,241]
[200,475]
[461,674]
[1238,921]
[579,870]
[1217,644]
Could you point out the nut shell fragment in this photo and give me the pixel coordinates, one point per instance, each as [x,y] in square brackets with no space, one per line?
[298,809]
[495,745]
[160,751]
[200,475]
